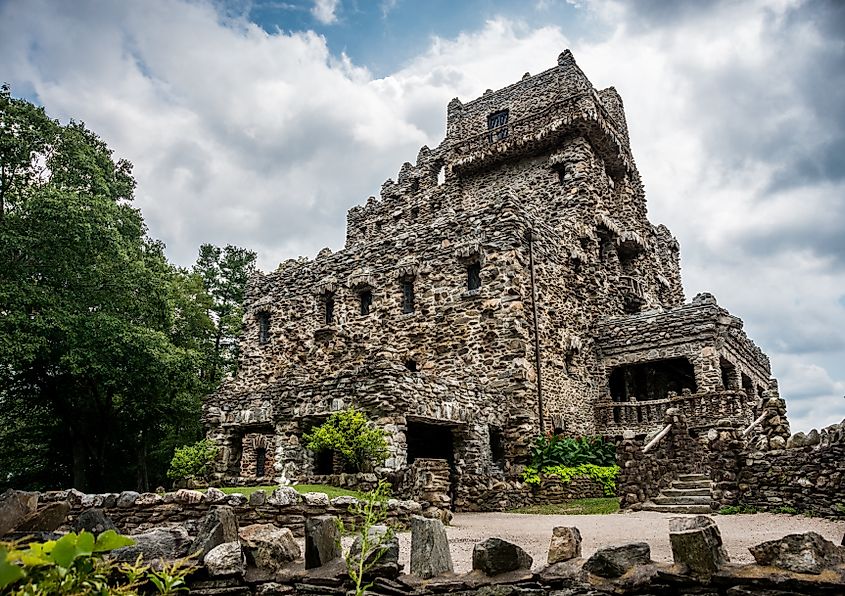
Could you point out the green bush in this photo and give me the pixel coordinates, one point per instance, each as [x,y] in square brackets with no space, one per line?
[348,433]
[738,509]
[192,461]
[604,475]
[554,450]
[74,564]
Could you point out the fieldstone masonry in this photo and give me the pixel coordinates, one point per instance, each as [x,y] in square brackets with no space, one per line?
[507,283]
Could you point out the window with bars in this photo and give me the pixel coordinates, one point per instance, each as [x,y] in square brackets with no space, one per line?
[408,295]
[263,327]
[497,124]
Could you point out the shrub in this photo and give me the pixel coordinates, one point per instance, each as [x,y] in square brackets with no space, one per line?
[554,450]
[192,461]
[603,475]
[74,564]
[348,433]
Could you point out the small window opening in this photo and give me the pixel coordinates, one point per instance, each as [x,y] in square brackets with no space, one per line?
[474,275]
[366,299]
[415,213]
[728,374]
[408,296]
[411,365]
[328,308]
[263,327]
[497,446]
[415,184]
[568,364]
[497,124]
[441,176]
[260,461]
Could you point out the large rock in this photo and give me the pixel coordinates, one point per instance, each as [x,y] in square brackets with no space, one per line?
[15,506]
[430,554]
[257,498]
[127,498]
[697,543]
[94,521]
[215,495]
[495,556]
[48,519]
[322,540]
[801,553]
[268,547]
[565,544]
[615,561]
[382,554]
[158,544]
[220,525]
[225,559]
[284,496]
[188,496]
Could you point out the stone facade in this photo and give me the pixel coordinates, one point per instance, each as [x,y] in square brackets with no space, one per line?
[508,283]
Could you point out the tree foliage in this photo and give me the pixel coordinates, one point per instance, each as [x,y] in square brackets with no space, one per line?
[348,433]
[103,342]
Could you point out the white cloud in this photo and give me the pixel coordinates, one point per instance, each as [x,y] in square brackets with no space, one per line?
[325,11]
[265,139]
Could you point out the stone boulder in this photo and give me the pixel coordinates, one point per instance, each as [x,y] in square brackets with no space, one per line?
[47,519]
[697,543]
[284,496]
[94,521]
[322,540]
[215,495]
[258,498]
[801,553]
[127,498]
[15,506]
[225,559]
[269,547]
[565,544]
[616,561]
[219,526]
[430,554]
[316,499]
[495,556]
[382,552]
[158,544]
[187,496]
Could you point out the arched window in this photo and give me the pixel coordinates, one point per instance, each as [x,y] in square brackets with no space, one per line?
[365,298]
[474,275]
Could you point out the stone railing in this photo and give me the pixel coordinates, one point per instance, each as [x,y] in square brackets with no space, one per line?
[700,410]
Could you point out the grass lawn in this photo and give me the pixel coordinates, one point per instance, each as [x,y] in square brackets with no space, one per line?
[331,491]
[576,507]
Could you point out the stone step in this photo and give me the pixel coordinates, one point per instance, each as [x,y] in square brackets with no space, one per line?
[685,484]
[694,477]
[686,492]
[664,500]
[692,509]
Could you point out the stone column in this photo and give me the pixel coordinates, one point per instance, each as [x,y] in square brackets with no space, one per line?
[725,460]
[774,430]
[631,483]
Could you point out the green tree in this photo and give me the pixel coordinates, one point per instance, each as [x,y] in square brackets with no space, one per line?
[99,334]
[224,273]
[349,434]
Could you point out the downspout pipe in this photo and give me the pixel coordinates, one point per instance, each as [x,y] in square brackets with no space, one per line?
[530,238]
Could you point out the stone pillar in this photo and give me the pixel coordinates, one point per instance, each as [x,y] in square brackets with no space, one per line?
[725,460]
[774,430]
[631,485]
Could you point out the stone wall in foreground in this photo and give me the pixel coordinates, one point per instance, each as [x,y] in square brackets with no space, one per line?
[132,512]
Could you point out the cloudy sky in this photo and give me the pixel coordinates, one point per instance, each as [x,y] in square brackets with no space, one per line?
[259,123]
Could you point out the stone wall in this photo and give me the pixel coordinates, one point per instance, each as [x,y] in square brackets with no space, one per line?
[132,512]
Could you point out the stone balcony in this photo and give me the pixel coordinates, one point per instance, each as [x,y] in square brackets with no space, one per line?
[702,410]
[544,128]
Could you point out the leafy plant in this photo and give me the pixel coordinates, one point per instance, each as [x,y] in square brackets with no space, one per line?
[785,509]
[742,508]
[555,450]
[603,475]
[371,511]
[359,443]
[74,564]
[192,461]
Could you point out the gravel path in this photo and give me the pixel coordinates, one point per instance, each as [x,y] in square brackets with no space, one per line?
[532,532]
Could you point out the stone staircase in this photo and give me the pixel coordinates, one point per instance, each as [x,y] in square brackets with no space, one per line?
[690,493]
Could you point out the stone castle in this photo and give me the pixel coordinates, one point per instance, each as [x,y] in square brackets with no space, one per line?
[507,284]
